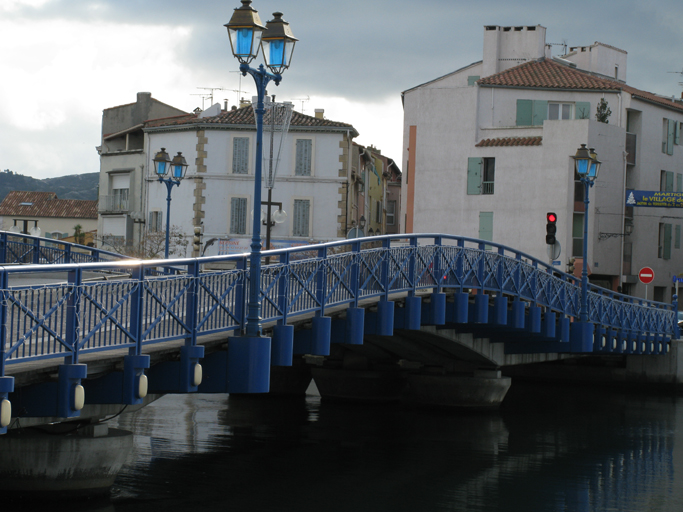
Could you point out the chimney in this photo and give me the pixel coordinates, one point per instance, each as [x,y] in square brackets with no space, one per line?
[225,105]
[320,113]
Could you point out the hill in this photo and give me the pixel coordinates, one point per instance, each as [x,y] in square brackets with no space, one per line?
[77,186]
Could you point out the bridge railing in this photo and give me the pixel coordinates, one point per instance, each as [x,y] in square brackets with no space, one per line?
[138,303]
[21,249]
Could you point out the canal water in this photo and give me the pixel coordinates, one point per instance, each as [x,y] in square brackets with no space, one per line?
[547,449]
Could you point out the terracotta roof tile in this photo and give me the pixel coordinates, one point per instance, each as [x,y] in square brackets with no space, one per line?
[509,142]
[547,74]
[245,116]
[46,204]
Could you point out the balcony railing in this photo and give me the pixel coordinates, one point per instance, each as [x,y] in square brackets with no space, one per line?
[487,187]
[115,203]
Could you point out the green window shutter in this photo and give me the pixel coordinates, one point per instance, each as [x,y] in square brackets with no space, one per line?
[304,153]
[238,215]
[540,112]
[679,182]
[524,112]
[301,220]
[677,237]
[583,110]
[486,226]
[240,155]
[669,181]
[474,169]
[472,79]
[670,137]
[667,242]
[677,133]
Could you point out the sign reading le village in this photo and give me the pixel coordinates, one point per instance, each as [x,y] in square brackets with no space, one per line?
[652,198]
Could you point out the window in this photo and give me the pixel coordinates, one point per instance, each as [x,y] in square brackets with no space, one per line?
[480,175]
[677,237]
[240,155]
[302,216]
[304,157]
[119,185]
[534,112]
[577,235]
[664,244]
[391,213]
[155,222]
[666,181]
[472,79]
[559,111]
[378,212]
[238,215]
[669,130]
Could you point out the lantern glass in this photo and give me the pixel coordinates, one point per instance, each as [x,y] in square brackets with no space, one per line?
[162,162]
[178,166]
[245,43]
[278,44]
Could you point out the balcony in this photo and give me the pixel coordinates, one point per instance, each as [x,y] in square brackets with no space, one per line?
[113,204]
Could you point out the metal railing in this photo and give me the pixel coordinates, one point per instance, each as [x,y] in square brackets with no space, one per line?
[139,308]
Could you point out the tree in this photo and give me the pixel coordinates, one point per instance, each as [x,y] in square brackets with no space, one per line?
[603,112]
[79,235]
[151,246]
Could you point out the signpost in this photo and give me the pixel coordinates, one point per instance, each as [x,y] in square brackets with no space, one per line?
[646,276]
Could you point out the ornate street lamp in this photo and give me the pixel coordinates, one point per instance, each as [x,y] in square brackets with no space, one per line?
[587,166]
[177,168]
[247,34]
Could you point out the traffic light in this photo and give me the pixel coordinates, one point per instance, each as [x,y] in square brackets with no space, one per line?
[570,265]
[197,240]
[550,228]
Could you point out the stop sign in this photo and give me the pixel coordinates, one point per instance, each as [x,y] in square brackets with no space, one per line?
[646,275]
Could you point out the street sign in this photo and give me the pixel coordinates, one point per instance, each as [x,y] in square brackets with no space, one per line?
[646,275]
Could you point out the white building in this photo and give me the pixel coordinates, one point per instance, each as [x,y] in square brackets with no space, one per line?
[217,193]
[487,153]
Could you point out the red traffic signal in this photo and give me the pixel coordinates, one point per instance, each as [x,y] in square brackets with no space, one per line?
[550,228]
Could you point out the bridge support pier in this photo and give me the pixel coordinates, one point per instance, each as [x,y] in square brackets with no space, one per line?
[65,460]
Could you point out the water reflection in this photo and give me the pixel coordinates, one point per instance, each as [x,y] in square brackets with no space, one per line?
[546,450]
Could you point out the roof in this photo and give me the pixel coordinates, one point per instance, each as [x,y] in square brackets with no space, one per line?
[509,142]
[46,204]
[244,118]
[547,74]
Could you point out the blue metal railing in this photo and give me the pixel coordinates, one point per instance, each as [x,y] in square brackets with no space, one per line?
[141,307]
[17,248]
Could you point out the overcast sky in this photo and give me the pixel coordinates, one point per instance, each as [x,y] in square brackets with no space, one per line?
[63,61]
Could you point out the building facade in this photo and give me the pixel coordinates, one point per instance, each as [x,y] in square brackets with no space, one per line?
[123,161]
[217,193]
[487,153]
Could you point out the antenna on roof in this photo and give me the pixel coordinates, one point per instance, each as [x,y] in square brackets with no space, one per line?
[563,44]
[209,95]
[307,98]
[677,73]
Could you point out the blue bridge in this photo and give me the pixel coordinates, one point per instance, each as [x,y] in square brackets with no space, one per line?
[85,331]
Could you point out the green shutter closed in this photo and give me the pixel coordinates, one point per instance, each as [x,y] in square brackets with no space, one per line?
[670,137]
[669,186]
[540,112]
[677,238]
[524,112]
[679,182]
[471,80]
[583,110]
[486,226]
[677,133]
[474,170]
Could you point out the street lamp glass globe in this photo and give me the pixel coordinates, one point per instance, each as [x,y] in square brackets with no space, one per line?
[279,216]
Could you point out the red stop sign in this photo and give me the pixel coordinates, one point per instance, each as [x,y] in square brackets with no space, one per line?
[646,275]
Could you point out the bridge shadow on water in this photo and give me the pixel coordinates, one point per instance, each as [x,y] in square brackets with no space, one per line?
[548,449]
